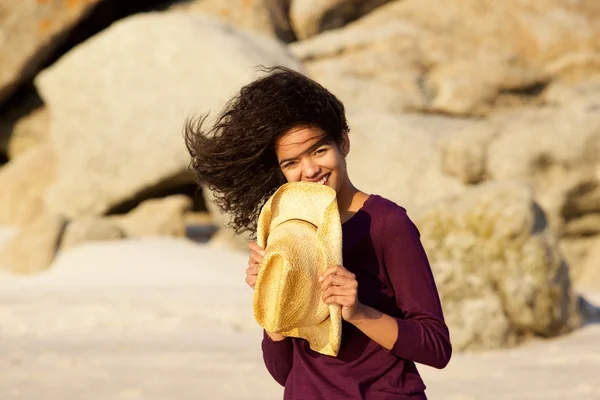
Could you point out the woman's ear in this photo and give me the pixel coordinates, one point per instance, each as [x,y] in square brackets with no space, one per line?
[345,144]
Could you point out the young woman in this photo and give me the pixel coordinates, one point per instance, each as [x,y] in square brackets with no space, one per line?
[284,127]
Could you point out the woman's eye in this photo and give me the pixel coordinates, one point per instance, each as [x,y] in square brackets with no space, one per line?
[288,165]
[320,151]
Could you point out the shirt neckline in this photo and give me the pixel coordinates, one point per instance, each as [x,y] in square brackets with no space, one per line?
[360,210]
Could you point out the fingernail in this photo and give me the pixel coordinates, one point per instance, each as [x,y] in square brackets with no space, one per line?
[320,279]
[262,252]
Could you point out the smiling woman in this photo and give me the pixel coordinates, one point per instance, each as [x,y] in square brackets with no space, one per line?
[236,157]
[284,127]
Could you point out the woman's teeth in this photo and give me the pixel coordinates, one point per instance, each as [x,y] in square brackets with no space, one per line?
[323,180]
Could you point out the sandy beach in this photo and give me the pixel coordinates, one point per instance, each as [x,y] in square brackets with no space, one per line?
[165,319]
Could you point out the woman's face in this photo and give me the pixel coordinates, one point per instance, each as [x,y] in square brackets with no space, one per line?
[305,156]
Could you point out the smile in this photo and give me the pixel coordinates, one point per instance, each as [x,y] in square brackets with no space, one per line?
[323,180]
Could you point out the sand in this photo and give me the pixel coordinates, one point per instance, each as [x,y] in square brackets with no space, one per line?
[169,319]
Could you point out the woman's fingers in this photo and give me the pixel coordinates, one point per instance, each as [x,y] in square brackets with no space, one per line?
[255,248]
[339,291]
[252,275]
[252,268]
[256,257]
[256,253]
[345,301]
[336,270]
[339,280]
[251,280]
[339,286]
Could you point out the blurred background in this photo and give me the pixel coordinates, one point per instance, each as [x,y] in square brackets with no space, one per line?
[120,279]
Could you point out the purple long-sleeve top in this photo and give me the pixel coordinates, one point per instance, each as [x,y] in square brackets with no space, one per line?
[382,247]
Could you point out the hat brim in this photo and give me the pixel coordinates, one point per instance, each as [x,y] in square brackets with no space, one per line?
[286,287]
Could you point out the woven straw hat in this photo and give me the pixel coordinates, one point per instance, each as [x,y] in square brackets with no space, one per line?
[299,227]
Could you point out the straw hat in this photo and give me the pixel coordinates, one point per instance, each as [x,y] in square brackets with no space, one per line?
[300,229]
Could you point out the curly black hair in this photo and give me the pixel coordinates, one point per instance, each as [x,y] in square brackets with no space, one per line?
[236,159]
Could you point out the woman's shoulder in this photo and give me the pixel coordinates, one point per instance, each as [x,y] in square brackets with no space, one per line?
[386,208]
[391,216]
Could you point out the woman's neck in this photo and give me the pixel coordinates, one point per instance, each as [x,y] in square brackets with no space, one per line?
[350,200]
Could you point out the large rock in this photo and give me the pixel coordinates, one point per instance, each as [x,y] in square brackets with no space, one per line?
[375,68]
[499,54]
[153,71]
[33,248]
[90,229]
[464,153]
[557,151]
[309,17]
[156,217]
[499,273]
[396,156]
[583,254]
[589,278]
[23,184]
[268,17]
[30,31]
[24,124]
[28,132]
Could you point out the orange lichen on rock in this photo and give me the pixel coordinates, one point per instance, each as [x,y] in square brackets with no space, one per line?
[74,4]
[225,12]
[44,25]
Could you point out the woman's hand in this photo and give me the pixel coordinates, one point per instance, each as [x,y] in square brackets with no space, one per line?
[339,286]
[256,257]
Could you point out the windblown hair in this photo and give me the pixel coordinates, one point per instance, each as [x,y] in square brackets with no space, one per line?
[236,159]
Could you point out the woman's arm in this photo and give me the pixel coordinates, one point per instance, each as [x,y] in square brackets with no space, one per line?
[380,327]
[422,335]
[278,356]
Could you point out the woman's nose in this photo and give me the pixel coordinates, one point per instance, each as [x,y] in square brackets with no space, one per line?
[310,170]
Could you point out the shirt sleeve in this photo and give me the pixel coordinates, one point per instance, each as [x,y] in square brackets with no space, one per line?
[423,336]
[278,357]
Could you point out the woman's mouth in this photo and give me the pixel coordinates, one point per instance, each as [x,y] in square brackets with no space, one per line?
[323,180]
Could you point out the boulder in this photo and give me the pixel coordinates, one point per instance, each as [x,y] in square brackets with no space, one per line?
[464,153]
[556,150]
[28,132]
[375,68]
[501,54]
[309,17]
[24,124]
[35,29]
[584,259]
[396,156]
[156,217]
[268,17]
[589,278]
[33,247]
[90,229]
[154,71]
[499,272]
[23,183]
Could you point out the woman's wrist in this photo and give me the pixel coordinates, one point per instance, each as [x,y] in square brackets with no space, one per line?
[361,314]
[380,327]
